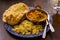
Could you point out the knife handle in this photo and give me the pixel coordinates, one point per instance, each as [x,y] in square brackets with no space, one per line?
[51,28]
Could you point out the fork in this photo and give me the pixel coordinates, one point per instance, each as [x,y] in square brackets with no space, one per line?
[50,25]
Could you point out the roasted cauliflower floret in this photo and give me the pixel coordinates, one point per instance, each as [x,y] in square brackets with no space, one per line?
[27,28]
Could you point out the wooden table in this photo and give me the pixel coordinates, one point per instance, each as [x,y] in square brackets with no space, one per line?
[4,35]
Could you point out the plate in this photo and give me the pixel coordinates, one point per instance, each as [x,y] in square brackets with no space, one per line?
[9,29]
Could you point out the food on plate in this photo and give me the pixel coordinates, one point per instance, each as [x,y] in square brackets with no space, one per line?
[15,13]
[27,28]
[36,15]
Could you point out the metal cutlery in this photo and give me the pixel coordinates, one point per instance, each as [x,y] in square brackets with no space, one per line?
[44,33]
[50,25]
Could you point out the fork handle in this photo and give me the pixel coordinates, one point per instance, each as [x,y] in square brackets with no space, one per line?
[44,33]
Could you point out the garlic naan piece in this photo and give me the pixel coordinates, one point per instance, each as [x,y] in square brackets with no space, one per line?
[15,13]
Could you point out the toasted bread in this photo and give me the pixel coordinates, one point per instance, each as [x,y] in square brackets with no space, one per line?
[15,13]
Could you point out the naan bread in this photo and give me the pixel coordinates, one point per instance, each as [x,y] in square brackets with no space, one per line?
[15,13]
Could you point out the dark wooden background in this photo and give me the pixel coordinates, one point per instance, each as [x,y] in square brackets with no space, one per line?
[45,4]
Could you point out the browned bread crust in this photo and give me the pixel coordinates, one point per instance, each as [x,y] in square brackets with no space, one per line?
[15,13]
